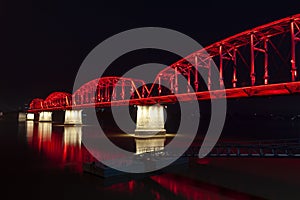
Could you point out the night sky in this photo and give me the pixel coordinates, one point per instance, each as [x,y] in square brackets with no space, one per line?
[43,43]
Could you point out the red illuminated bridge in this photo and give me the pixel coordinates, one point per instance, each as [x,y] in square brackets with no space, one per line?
[258,62]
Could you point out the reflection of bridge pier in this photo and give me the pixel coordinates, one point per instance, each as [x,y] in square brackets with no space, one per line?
[149,144]
[29,131]
[44,132]
[72,135]
[72,145]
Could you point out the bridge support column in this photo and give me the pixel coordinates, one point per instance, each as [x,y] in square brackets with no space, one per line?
[30,116]
[73,117]
[45,116]
[150,120]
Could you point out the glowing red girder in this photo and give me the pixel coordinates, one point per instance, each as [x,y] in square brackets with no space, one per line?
[123,91]
[55,99]
[228,49]
[252,91]
[58,99]
[36,104]
[106,88]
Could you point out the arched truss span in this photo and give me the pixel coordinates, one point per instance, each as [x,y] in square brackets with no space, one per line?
[262,55]
[36,103]
[108,89]
[58,99]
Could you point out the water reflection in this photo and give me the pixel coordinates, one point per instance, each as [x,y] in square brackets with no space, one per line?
[61,145]
[63,149]
[171,186]
[72,135]
[44,131]
[72,145]
[29,131]
[189,189]
[145,144]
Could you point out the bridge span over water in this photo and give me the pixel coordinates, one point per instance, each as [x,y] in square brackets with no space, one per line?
[258,62]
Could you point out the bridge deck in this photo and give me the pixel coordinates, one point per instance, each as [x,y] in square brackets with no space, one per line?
[242,92]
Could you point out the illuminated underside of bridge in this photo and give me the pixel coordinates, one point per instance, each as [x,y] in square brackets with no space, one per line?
[256,62]
[254,91]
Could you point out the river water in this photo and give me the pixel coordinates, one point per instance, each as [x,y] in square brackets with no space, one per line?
[44,161]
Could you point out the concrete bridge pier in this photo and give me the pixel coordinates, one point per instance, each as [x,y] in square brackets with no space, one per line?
[29,116]
[150,120]
[73,117]
[45,116]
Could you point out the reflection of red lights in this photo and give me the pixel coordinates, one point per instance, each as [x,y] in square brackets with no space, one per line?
[203,161]
[131,185]
[157,195]
[124,187]
[189,189]
[57,149]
